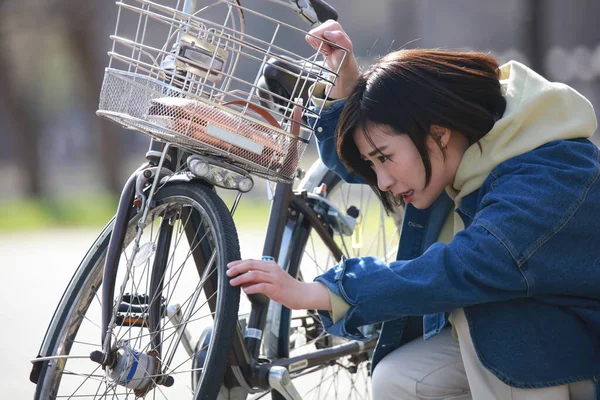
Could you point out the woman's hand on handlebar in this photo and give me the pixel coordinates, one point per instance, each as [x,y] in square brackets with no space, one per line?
[332,31]
[268,278]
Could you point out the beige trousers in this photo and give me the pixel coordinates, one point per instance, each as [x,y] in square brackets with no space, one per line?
[444,368]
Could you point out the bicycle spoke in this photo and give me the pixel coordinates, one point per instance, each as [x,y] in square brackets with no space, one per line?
[345,379]
[86,343]
[180,282]
[90,396]
[101,378]
[90,376]
[91,322]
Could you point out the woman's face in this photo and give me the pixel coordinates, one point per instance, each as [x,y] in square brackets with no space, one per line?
[399,168]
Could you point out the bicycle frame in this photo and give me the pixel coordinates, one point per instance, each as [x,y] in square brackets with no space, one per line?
[246,357]
[249,370]
[245,365]
[289,211]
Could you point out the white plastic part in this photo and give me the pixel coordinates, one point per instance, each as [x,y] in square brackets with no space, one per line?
[199,168]
[245,184]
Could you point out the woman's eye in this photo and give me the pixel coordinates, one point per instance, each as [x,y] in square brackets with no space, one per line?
[381,159]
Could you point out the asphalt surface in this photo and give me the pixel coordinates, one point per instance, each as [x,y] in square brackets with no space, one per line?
[37,266]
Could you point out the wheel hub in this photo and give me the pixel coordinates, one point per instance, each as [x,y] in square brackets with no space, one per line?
[134,370]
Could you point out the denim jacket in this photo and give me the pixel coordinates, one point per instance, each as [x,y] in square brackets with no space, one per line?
[526,268]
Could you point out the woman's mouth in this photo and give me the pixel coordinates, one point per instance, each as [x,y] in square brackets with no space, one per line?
[407,196]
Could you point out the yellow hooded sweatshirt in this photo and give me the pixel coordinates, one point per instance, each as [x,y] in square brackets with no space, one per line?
[537,112]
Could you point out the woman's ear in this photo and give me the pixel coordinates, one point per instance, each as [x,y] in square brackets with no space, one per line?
[441,135]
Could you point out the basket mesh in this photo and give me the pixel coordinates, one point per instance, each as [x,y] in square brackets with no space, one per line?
[173,76]
[138,103]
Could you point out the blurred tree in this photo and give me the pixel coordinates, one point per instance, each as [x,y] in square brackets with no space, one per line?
[85,31]
[86,28]
[25,120]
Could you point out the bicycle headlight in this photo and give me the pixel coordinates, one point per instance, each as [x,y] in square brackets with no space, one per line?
[220,174]
[246,184]
[198,167]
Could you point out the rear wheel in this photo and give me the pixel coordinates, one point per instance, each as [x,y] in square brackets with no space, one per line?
[301,332]
[178,273]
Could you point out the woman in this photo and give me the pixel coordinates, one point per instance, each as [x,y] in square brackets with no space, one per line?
[499,257]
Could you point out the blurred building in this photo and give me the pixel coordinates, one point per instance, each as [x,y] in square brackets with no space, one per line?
[53,54]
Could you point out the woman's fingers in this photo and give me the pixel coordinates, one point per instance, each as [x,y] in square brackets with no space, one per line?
[241,266]
[251,277]
[340,61]
[254,281]
[318,44]
[263,288]
[331,31]
[236,262]
[330,25]
[338,37]
[266,277]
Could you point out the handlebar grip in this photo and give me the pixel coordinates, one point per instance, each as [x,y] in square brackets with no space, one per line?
[323,10]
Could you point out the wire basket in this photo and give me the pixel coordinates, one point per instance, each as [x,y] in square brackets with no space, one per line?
[196,80]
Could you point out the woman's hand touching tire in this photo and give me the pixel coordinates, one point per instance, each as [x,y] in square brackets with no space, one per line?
[268,278]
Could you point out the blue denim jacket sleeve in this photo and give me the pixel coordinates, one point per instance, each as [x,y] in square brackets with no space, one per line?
[326,142]
[474,268]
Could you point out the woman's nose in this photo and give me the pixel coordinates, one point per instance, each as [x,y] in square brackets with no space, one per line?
[384,181]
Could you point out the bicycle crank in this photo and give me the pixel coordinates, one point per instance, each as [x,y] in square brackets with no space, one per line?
[133,369]
[279,379]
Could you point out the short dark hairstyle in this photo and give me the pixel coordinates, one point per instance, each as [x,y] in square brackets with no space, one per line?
[411,90]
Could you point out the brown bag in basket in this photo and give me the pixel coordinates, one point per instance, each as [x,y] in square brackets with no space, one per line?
[223,130]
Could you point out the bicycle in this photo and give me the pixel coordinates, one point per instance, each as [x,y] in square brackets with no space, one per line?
[172,328]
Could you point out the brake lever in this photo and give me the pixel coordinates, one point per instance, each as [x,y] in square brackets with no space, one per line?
[305,10]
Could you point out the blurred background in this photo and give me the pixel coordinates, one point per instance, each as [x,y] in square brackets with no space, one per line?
[62,167]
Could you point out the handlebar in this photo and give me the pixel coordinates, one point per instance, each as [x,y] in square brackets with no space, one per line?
[314,10]
[324,10]
[310,10]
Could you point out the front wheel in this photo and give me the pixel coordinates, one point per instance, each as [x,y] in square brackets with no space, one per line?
[176,322]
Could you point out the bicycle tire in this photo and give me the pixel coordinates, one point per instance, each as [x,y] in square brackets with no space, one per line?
[347,379]
[66,334]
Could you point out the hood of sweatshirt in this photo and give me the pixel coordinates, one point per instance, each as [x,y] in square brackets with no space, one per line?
[537,112]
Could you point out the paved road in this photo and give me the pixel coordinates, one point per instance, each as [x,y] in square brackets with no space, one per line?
[37,267]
